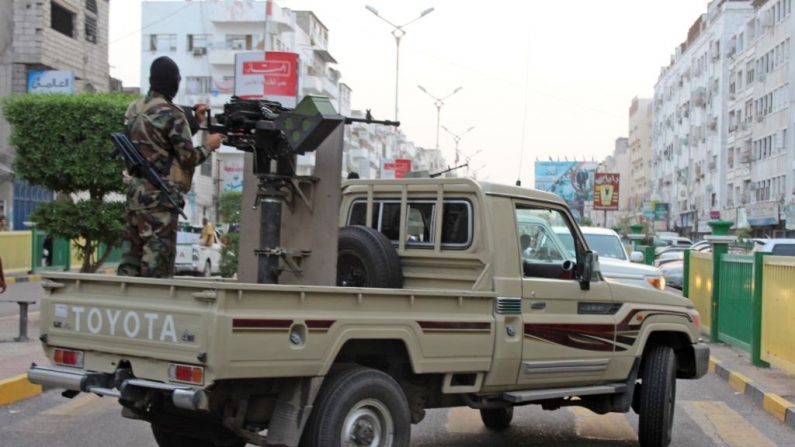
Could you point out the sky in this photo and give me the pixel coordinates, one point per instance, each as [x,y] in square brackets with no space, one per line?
[539,79]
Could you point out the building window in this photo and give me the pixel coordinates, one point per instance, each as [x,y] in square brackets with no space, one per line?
[162,42]
[62,19]
[197,42]
[91,29]
[91,5]
[198,85]
[239,41]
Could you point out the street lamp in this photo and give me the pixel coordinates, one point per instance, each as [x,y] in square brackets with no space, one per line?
[398,32]
[457,139]
[438,102]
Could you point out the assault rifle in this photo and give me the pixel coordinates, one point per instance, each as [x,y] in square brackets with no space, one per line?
[138,165]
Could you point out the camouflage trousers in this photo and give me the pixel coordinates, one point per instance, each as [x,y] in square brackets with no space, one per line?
[150,243]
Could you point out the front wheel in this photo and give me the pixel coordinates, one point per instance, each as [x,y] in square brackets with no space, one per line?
[657,397]
[497,418]
[359,407]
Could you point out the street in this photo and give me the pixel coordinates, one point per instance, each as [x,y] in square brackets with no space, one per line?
[708,413]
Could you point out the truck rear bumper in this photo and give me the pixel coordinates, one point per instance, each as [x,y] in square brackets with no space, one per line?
[701,351]
[104,384]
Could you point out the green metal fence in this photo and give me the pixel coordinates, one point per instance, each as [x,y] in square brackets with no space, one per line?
[735,300]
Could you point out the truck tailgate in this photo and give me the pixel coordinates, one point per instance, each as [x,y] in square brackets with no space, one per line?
[116,319]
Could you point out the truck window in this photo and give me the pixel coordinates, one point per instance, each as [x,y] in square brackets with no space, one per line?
[542,251]
[420,221]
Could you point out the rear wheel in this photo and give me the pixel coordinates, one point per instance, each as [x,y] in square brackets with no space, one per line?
[497,418]
[359,407]
[657,397]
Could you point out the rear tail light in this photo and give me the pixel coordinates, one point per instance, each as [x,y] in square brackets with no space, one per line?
[68,357]
[186,373]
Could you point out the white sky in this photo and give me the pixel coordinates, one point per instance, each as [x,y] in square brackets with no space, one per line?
[587,60]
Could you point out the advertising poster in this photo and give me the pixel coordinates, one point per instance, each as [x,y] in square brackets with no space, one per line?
[573,181]
[605,194]
[395,168]
[272,75]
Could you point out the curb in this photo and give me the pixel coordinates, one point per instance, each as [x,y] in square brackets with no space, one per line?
[772,403]
[17,388]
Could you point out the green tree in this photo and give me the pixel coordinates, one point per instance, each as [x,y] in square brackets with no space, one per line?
[229,206]
[63,143]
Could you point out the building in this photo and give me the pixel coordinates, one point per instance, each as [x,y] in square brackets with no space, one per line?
[68,36]
[690,131]
[638,183]
[617,163]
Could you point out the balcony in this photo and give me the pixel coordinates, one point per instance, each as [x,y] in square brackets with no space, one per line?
[251,12]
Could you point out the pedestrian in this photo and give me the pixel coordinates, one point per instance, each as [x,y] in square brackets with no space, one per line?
[161,133]
[3,224]
[208,232]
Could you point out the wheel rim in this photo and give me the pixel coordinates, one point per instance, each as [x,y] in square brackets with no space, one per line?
[351,271]
[368,423]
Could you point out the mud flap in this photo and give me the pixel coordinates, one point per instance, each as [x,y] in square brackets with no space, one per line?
[292,411]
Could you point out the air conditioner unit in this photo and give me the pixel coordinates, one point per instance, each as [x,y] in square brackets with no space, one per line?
[199,51]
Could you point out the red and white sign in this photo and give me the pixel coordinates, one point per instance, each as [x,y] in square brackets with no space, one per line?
[272,75]
[395,168]
[605,191]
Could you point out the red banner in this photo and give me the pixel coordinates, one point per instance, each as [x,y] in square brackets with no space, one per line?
[605,193]
[399,167]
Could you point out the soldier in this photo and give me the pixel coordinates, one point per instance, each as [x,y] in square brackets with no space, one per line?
[160,131]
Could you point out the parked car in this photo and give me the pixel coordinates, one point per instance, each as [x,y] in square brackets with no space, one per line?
[778,247]
[194,257]
[675,240]
[613,259]
[673,272]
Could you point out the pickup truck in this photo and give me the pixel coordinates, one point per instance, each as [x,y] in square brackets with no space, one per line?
[195,257]
[468,319]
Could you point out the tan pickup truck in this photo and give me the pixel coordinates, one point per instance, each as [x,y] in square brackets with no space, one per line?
[476,314]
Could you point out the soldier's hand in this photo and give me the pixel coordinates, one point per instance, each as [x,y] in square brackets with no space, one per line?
[200,111]
[214,140]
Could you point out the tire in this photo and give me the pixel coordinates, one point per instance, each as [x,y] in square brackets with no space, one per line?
[208,269]
[497,418]
[657,397]
[359,407]
[166,438]
[366,258]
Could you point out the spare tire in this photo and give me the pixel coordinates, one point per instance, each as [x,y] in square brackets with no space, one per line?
[366,258]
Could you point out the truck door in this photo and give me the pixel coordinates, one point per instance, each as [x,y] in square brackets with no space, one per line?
[569,333]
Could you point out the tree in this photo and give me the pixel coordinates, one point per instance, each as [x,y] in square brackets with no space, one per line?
[63,144]
[229,206]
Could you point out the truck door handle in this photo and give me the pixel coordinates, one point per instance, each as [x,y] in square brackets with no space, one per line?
[538,305]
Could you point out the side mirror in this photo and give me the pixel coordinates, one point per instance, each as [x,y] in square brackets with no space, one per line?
[589,261]
[637,256]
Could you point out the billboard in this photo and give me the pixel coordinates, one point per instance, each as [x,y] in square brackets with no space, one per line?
[605,194]
[573,181]
[272,75]
[395,168]
[51,81]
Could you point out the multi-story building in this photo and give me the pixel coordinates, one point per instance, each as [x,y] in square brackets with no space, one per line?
[690,131]
[638,182]
[761,175]
[70,36]
[617,163]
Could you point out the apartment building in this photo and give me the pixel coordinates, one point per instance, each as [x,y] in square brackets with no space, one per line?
[69,37]
[691,119]
[638,182]
[619,162]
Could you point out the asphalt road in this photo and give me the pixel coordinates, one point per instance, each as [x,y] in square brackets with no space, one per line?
[708,413]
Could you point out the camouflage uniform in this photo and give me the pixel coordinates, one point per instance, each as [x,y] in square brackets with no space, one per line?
[161,132]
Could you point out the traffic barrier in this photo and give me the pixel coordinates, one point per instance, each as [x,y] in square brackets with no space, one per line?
[16,249]
[778,312]
[699,284]
[735,300]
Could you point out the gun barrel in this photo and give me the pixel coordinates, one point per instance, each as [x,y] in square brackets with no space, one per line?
[349,120]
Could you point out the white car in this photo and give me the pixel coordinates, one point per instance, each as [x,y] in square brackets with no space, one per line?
[613,259]
[778,247]
[195,257]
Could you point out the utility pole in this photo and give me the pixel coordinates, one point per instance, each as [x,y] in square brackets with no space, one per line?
[457,140]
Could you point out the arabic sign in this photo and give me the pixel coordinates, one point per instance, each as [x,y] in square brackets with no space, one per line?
[395,168]
[662,211]
[573,181]
[605,194]
[51,81]
[272,75]
[232,174]
[763,214]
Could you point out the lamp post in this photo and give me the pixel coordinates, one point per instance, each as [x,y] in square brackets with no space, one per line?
[438,102]
[398,33]
[457,139]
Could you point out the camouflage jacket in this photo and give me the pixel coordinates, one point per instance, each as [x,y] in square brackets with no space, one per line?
[161,132]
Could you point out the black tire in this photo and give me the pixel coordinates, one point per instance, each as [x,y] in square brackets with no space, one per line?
[366,258]
[497,418]
[208,269]
[166,438]
[657,397]
[360,404]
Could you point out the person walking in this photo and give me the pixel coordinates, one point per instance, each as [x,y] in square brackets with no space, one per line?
[161,133]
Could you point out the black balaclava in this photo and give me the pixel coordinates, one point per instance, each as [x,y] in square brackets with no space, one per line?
[164,77]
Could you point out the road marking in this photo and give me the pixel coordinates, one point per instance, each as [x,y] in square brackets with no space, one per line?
[464,420]
[76,405]
[724,425]
[608,427]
